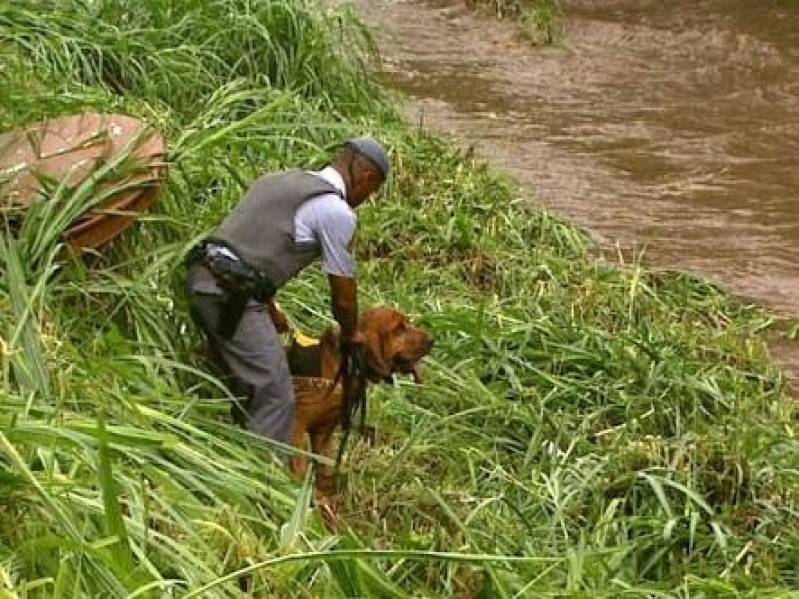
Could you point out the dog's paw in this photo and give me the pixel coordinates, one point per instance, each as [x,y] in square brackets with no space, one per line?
[370,434]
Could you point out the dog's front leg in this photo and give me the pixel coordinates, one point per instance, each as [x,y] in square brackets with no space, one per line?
[321,440]
[299,463]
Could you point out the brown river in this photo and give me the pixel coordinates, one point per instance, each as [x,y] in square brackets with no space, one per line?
[669,126]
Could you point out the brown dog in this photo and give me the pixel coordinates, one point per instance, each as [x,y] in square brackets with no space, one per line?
[392,346]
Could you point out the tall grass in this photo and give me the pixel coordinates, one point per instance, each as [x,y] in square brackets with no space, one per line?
[585,428]
[176,53]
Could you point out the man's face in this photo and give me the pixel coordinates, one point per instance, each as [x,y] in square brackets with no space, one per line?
[366,181]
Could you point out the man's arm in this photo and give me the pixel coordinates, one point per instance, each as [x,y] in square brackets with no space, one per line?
[344,301]
[333,224]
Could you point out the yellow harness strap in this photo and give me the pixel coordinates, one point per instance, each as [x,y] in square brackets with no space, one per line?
[303,340]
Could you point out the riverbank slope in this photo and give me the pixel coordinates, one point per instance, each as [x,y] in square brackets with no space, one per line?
[582,427]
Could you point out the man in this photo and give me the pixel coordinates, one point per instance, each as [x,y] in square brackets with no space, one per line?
[284,222]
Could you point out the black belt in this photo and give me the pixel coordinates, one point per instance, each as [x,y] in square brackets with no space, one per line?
[240,280]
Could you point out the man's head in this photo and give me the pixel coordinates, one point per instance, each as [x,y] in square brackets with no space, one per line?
[364,166]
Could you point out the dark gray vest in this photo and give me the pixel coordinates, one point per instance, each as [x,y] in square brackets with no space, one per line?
[261,227]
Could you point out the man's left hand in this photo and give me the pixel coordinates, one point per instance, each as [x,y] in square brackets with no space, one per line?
[355,339]
[278,318]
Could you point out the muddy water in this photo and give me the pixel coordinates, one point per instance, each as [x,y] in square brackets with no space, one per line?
[672,126]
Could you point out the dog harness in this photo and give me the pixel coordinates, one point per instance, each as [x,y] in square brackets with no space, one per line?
[314,383]
[305,364]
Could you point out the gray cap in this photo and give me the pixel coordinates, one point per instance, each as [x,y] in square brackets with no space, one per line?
[373,150]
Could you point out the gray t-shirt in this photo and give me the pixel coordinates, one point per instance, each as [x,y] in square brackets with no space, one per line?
[328,220]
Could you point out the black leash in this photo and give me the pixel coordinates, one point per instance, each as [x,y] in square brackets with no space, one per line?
[352,374]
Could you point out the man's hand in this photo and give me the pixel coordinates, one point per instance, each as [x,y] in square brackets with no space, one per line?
[353,340]
[278,318]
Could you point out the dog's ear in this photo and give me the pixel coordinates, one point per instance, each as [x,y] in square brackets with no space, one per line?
[378,363]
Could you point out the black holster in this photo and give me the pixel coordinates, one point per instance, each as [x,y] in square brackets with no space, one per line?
[240,281]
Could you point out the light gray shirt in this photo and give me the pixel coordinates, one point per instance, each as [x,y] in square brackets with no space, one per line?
[329,221]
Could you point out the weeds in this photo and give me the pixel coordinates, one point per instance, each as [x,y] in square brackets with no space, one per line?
[541,20]
[584,428]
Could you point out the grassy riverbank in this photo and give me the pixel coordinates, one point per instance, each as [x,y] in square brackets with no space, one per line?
[583,428]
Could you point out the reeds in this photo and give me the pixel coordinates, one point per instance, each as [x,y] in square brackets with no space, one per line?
[585,429]
[541,20]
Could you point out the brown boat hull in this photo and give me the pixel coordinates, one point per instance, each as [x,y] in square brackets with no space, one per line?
[70,149]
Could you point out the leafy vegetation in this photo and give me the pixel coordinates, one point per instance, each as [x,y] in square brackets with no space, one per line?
[541,20]
[584,428]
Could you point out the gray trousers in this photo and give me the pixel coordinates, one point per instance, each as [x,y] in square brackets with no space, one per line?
[253,357]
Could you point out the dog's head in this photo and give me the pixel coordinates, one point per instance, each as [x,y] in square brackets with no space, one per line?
[393,344]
